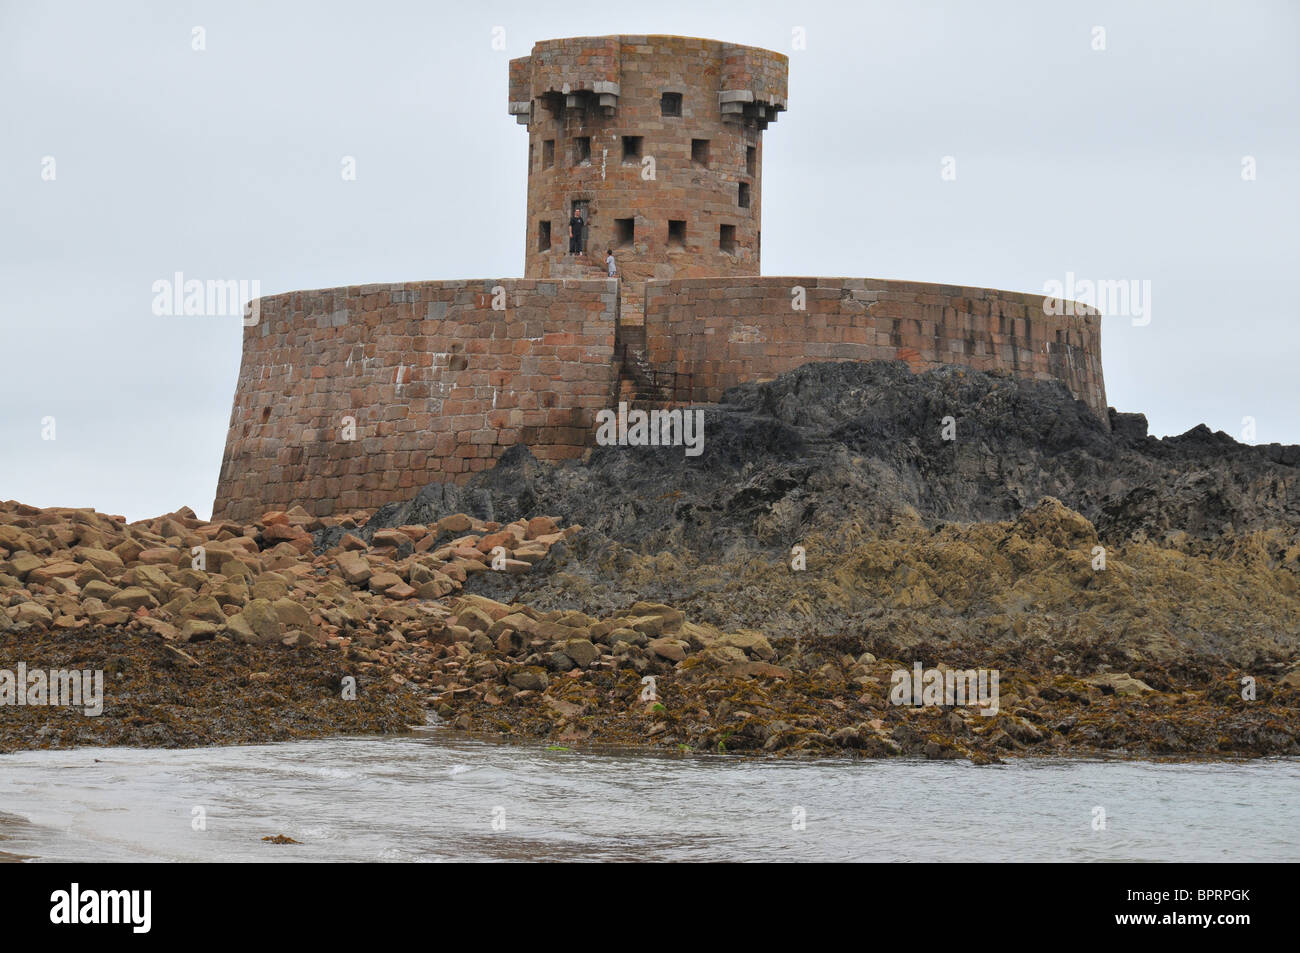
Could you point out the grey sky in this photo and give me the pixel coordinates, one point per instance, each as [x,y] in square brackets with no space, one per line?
[1122,164]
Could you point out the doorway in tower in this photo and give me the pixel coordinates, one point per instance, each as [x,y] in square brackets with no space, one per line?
[582,206]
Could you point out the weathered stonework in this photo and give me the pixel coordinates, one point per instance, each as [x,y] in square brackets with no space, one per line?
[353,397]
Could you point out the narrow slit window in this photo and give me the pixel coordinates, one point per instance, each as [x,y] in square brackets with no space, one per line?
[751,160]
[544,235]
[548,153]
[742,195]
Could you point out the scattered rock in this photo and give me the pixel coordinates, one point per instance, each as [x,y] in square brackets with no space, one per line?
[1119,684]
[532,678]
[257,624]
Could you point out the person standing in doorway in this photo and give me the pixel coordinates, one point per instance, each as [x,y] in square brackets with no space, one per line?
[575,232]
[609,263]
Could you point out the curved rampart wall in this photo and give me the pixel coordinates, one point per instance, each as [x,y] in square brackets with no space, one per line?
[436,381]
[713,333]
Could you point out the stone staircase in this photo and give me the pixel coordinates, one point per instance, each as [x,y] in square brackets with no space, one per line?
[638,382]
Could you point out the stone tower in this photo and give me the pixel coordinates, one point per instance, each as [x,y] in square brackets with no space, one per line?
[659,139]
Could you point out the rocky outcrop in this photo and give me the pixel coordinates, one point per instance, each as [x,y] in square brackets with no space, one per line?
[911,537]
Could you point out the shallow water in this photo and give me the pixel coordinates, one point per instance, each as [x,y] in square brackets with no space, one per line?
[435,795]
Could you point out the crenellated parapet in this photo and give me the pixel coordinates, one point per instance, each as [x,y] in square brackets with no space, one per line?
[585,73]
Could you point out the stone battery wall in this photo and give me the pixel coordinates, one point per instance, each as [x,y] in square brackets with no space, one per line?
[712,333]
[581,96]
[437,382]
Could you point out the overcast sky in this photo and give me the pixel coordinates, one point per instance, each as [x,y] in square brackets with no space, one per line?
[1120,164]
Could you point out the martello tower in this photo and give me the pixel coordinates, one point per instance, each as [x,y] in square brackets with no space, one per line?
[658,140]
[435,379]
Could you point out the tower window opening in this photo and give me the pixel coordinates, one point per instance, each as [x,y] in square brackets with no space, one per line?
[581,149]
[632,149]
[727,239]
[670,104]
[544,235]
[677,232]
[548,153]
[624,232]
[751,160]
[742,195]
[700,151]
